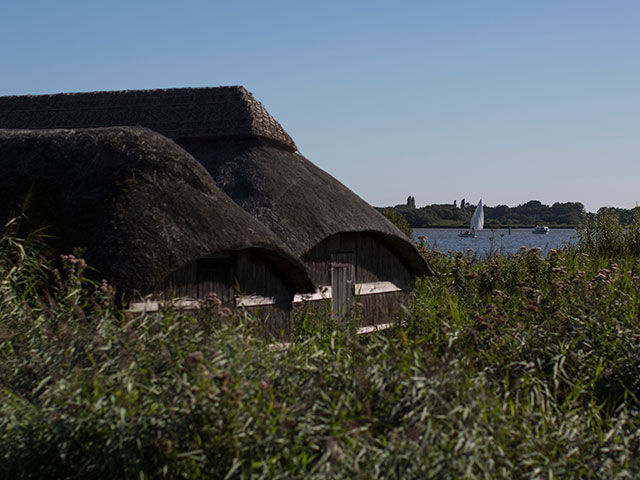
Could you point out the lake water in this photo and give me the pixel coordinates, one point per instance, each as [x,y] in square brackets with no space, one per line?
[447,239]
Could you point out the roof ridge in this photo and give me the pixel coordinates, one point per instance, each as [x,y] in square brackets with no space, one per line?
[178,113]
[262,120]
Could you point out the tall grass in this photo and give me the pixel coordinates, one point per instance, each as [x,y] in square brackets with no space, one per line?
[604,235]
[504,367]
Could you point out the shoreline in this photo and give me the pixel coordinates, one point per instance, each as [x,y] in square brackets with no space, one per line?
[501,227]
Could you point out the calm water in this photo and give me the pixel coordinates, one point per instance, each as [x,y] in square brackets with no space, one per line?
[446,239]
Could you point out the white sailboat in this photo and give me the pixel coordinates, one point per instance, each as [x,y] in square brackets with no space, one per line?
[477,222]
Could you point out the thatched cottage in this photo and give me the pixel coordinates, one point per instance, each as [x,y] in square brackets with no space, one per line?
[349,249]
[149,218]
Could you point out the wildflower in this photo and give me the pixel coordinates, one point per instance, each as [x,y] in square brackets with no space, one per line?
[72,260]
[491,308]
[98,342]
[106,289]
[501,294]
[212,300]
[194,358]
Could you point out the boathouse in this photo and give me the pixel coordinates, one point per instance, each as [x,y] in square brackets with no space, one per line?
[149,218]
[351,251]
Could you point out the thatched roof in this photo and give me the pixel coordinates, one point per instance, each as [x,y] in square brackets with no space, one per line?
[176,112]
[248,153]
[139,205]
[301,203]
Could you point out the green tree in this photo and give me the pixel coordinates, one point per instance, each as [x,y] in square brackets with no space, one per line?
[398,220]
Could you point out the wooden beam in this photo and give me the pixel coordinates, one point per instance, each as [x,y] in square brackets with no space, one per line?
[276,347]
[374,288]
[374,328]
[156,305]
[360,289]
[279,346]
[321,293]
[256,300]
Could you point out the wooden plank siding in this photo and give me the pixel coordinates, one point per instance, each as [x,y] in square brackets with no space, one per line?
[382,308]
[374,261]
[214,276]
[237,279]
[354,270]
[255,277]
[382,283]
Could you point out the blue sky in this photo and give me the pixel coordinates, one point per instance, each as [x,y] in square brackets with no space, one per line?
[505,100]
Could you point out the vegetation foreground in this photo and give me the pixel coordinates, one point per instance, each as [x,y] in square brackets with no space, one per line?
[523,366]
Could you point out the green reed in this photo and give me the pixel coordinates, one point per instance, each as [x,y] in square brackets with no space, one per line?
[520,366]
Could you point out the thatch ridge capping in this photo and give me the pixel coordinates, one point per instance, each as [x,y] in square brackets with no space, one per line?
[191,112]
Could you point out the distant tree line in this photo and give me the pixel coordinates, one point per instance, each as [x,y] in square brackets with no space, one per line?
[623,215]
[528,214]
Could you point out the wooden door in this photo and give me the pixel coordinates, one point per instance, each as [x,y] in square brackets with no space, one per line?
[343,278]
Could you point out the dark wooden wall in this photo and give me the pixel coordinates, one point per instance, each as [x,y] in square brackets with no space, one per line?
[230,275]
[381,308]
[374,262]
[256,277]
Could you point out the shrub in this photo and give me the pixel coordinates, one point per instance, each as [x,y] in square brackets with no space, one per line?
[398,220]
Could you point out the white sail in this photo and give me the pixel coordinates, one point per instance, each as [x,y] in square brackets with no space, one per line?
[477,220]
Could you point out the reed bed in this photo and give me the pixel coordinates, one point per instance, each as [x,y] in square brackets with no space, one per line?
[517,366]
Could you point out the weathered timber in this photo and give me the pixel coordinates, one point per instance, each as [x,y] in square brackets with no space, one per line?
[343,278]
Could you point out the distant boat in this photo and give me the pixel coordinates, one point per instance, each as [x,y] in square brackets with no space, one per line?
[476,224]
[541,229]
